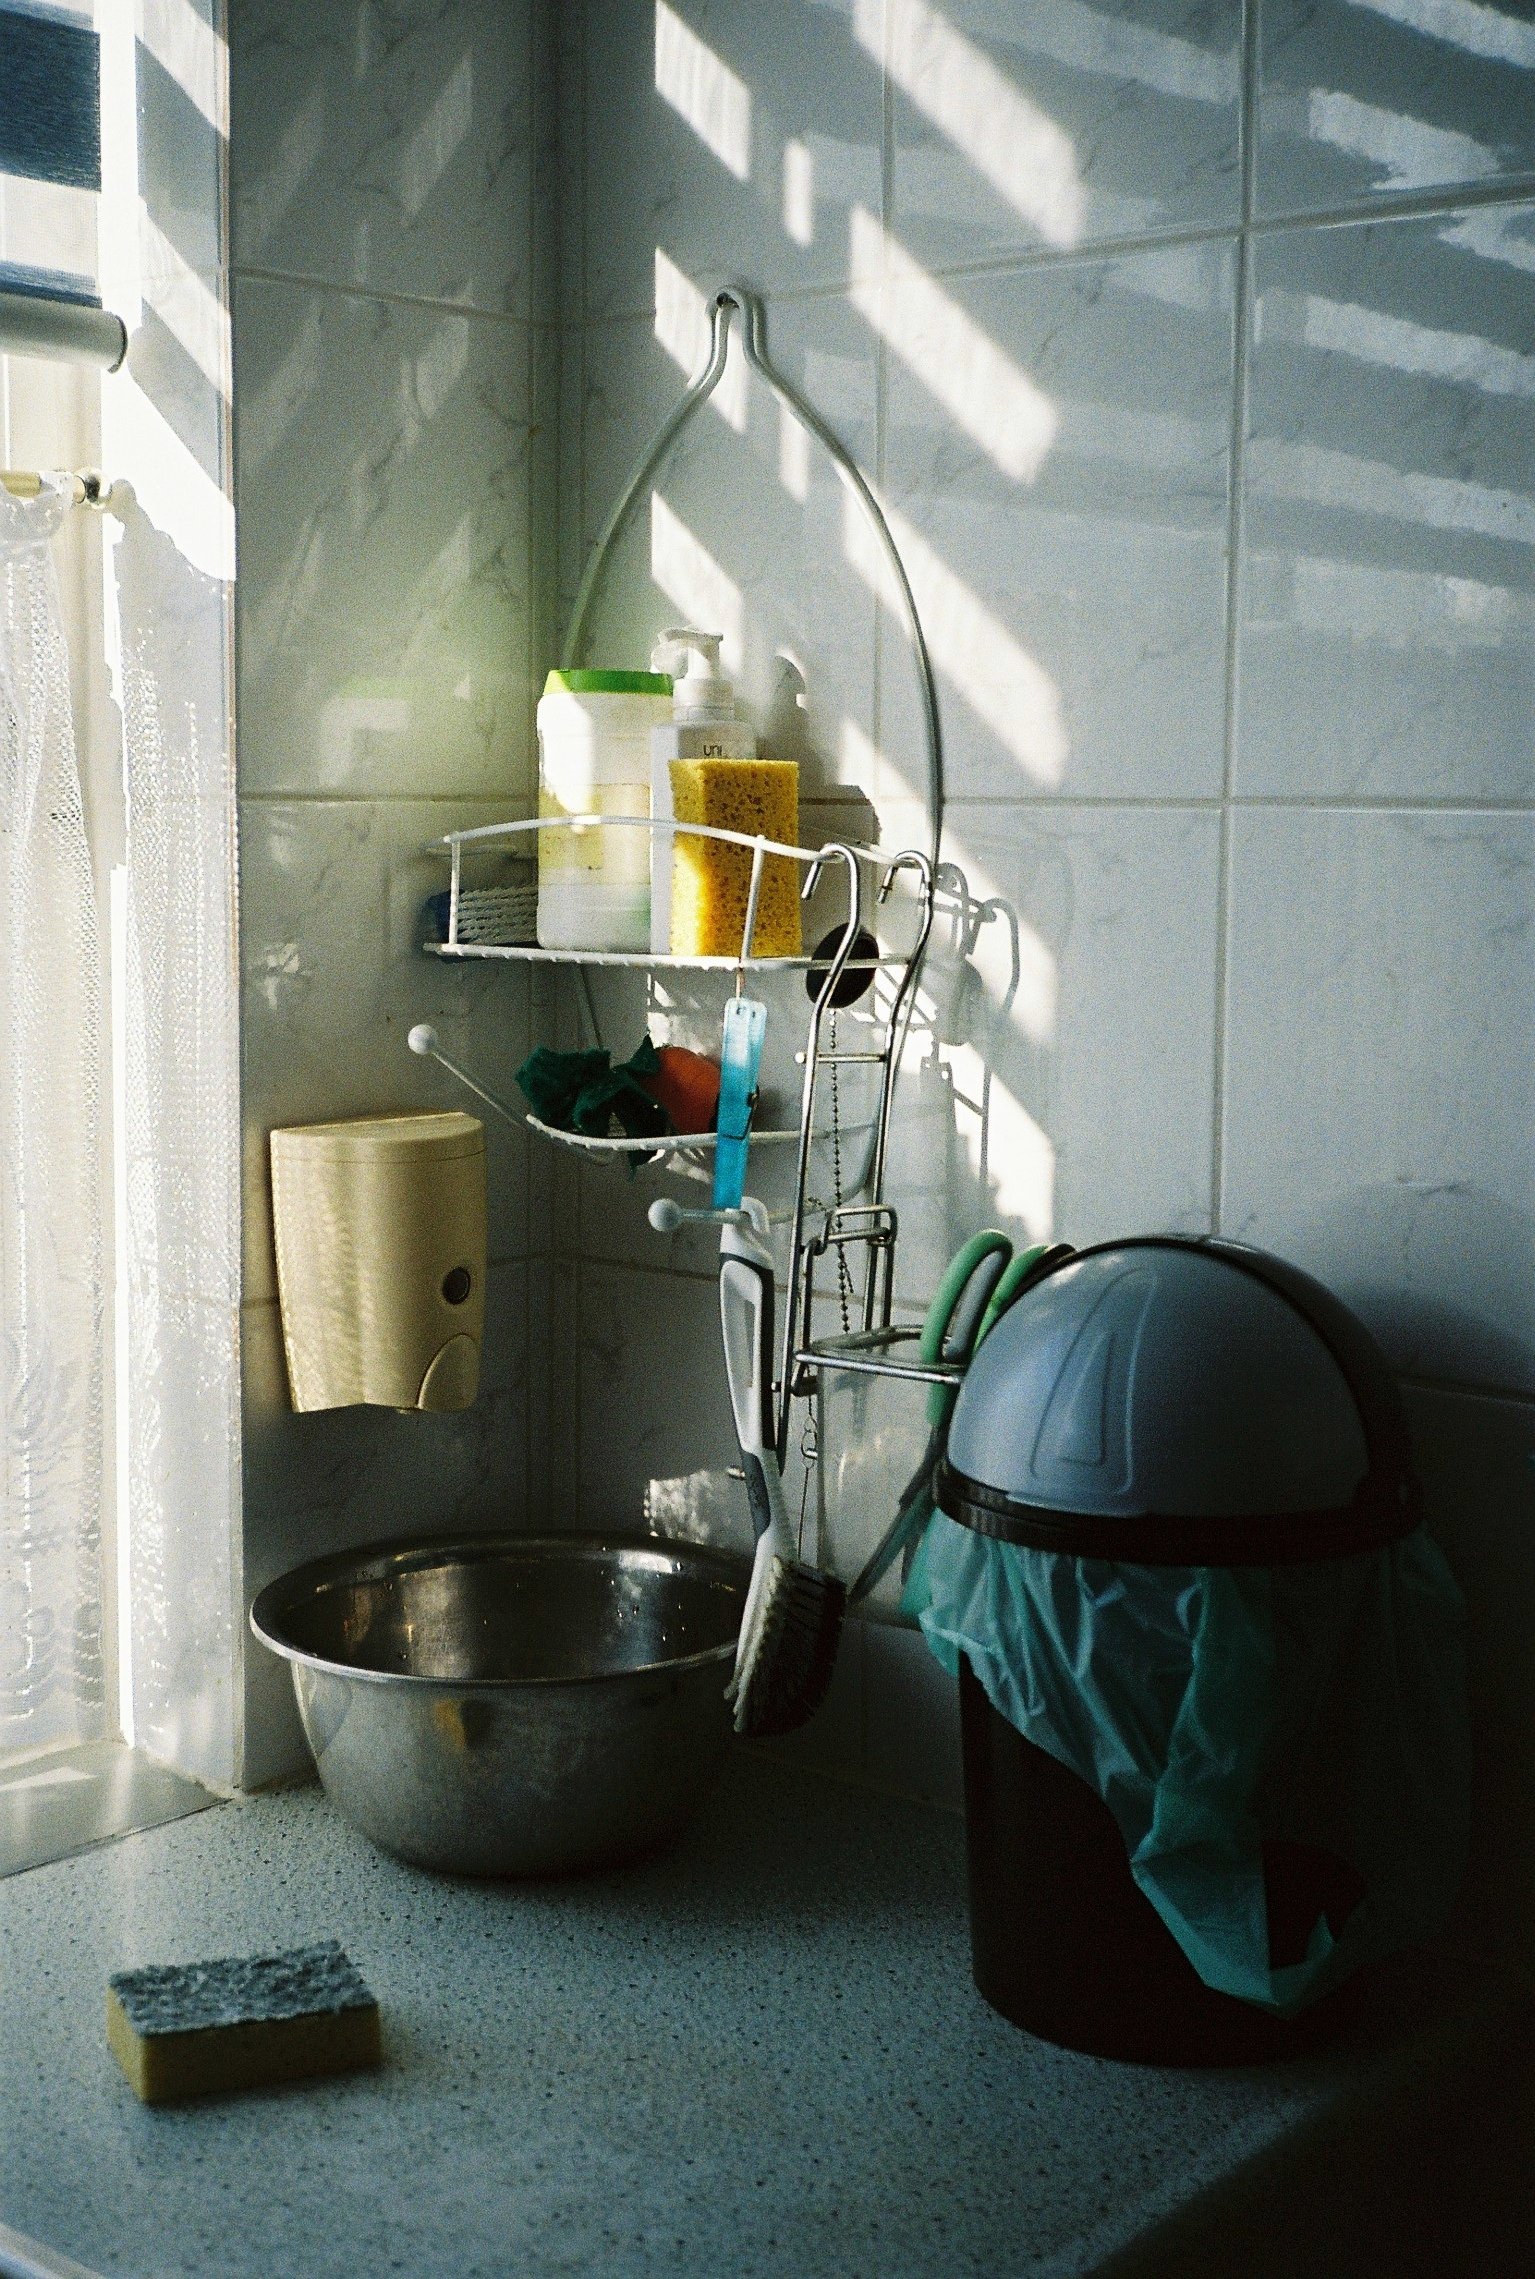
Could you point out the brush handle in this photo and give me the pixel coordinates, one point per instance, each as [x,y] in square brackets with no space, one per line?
[746,1324]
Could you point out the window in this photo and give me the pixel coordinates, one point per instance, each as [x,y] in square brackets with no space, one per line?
[66,1697]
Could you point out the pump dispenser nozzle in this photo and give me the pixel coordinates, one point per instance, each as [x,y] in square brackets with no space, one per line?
[700,691]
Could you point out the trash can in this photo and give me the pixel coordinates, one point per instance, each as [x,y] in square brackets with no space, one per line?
[1211,1667]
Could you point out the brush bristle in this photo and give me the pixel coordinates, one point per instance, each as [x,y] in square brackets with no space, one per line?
[789,1659]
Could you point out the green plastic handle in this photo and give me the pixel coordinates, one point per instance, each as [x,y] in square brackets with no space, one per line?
[987,1244]
[1014,1276]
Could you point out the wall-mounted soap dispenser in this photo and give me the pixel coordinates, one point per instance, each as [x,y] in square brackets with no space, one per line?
[380,1229]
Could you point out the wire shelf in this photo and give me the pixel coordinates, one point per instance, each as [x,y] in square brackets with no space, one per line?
[524,953]
[691,1144]
[869,1353]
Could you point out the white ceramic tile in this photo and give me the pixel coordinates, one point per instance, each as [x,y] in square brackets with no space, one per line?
[1362,98]
[333,979]
[688,1010]
[391,150]
[1057,459]
[1052,125]
[1380,1064]
[1099,1105]
[554,1408]
[745,532]
[872,1434]
[1390,518]
[182,91]
[1476,1459]
[179,360]
[561,148]
[335,1478]
[734,138]
[656,1430]
[380,461]
[911,1713]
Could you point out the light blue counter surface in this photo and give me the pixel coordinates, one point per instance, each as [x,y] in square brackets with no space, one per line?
[760,2053]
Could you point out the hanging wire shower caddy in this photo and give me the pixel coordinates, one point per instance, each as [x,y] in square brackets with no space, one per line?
[866,1229]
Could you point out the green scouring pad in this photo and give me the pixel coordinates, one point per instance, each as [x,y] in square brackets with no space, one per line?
[194,2029]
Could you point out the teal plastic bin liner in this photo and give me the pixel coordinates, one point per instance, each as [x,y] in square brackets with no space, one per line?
[1213,1709]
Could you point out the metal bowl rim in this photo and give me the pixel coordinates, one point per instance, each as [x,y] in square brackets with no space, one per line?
[439,1550]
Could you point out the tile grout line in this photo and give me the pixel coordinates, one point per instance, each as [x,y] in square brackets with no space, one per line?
[1334,803]
[973,803]
[1236,470]
[545,236]
[242,273]
[882,408]
[573,1315]
[1444,200]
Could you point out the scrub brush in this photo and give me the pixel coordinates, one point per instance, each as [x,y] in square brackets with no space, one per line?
[787,1649]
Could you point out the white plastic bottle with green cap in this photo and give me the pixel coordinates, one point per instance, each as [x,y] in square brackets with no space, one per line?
[594,730]
[703,726]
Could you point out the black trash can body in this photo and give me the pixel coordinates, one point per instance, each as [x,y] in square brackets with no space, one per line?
[1066,1945]
[1157,1403]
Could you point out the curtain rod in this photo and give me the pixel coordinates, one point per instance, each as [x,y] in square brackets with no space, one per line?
[48,324]
[85,487]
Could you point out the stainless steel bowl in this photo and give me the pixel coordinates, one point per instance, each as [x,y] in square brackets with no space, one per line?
[512,1705]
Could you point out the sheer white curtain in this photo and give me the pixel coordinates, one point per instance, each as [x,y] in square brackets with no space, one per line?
[52,1678]
[180,1156]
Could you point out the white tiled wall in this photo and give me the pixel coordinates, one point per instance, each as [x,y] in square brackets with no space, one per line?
[1192,346]
[389,273]
[1193,349]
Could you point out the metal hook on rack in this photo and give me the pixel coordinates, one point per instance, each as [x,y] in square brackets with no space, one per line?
[737,300]
[422,1039]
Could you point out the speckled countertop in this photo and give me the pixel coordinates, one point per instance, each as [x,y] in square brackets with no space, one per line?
[760,2053]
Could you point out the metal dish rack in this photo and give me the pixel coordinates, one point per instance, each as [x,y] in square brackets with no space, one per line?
[858,1235]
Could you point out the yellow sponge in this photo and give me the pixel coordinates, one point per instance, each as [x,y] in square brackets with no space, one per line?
[191,2029]
[711,881]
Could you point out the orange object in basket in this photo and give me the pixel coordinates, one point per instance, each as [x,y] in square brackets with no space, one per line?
[687,1084]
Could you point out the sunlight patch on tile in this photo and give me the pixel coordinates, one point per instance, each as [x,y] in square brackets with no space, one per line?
[175,492]
[192,52]
[1371,336]
[689,576]
[189,308]
[1018,148]
[1003,685]
[437,141]
[1116,47]
[1370,486]
[683,327]
[799,192]
[1411,152]
[701,87]
[793,455]
[998,406]
[1465,24]
[1405,610]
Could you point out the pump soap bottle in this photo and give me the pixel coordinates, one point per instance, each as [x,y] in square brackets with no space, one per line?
[704,726]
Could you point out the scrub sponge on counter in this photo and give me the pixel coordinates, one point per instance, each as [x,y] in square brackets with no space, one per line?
[711,880]
[195,2029]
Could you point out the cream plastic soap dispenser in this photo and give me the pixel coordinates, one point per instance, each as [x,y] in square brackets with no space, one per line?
[380,1225]
[704,726]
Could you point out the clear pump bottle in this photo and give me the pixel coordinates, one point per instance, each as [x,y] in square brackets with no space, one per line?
[704,726]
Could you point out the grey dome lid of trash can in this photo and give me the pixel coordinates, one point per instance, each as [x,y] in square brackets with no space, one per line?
[1176,1400]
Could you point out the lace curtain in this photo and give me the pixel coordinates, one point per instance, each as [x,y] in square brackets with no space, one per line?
[52,1682]
[181,1154]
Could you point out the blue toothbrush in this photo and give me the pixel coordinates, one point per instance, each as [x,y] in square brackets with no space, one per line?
[740,1060]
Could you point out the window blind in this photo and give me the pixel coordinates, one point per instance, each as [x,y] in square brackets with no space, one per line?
[50,133]
[50,96]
